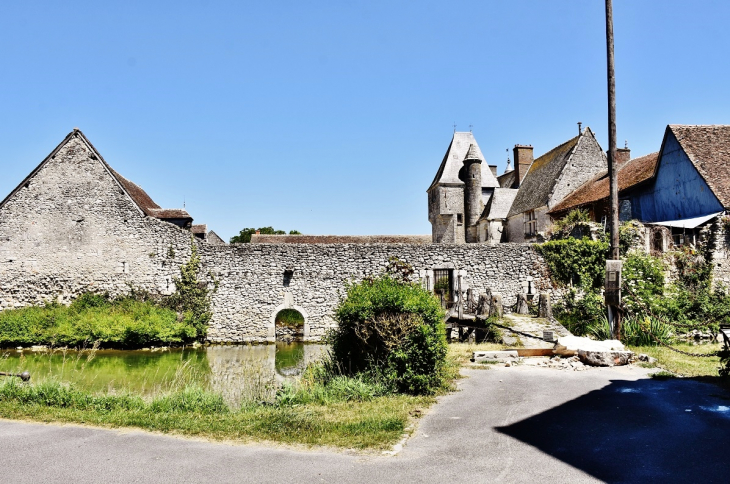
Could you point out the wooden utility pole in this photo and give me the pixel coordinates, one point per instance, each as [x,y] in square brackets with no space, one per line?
[613,301]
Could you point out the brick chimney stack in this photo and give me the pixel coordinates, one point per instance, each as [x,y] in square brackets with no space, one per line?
[523,160]
[623,154]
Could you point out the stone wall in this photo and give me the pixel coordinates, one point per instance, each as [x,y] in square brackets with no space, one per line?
[253,287]
[71,228]
[445,205]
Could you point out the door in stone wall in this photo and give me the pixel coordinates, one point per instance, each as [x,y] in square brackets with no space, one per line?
[443,286]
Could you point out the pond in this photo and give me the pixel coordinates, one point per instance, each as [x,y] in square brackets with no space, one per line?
[246,372]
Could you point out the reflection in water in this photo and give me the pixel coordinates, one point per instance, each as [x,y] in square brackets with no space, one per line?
[254,373]
[239,373]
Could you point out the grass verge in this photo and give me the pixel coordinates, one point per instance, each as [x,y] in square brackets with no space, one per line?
[677,363]
[372,424]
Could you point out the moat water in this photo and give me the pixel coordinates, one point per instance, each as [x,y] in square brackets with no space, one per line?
[239,373]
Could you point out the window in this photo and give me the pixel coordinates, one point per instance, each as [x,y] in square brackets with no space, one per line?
[459,218]
[530,223]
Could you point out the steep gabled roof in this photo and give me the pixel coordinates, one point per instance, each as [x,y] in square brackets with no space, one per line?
[140,198]
[499,204]
[507,179]
[448,172]
[708,148]
[630,174]
[538,183]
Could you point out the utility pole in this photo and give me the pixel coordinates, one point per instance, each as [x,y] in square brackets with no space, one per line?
[613,264]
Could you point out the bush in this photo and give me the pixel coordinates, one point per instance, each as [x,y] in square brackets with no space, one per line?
[642,282]
[581,314]
[192,299]
[393,331]
[581,262]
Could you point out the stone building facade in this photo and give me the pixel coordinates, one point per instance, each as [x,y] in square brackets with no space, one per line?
[549,180]
[447,193]
[74,225]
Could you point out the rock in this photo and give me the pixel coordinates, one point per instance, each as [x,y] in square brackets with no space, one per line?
[508,364]
[605,358]
[646,358]
[569,345]
[493,355]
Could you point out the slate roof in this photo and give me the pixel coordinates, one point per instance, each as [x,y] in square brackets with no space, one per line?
[708,147]
[135,192]
[453,161]
[629,174]
[499,205]
[540,179]
[506,180]
[199,229]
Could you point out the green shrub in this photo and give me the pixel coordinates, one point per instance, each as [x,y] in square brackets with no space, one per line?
[581,314]
[393,331]
[565,225]
[642,282]
[581,262]
[192,298]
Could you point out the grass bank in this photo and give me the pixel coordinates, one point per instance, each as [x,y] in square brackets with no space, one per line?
[683,365]
[375,423]
[119,323]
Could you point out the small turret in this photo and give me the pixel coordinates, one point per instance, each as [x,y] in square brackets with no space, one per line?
[472,193]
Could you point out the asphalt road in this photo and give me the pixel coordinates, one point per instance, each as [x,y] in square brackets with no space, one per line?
[520,424]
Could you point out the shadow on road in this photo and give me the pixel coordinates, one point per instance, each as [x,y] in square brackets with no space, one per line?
[672,430]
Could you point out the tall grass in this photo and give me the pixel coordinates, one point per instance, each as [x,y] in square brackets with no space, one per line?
[636,330]
[122,323]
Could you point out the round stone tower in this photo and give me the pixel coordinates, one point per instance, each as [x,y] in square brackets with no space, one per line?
[472,193]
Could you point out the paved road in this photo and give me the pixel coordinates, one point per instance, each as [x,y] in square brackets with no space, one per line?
[519,424]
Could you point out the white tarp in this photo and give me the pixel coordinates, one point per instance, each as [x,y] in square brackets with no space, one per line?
[687,223]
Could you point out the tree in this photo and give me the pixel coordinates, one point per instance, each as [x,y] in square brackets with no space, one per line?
[244,236]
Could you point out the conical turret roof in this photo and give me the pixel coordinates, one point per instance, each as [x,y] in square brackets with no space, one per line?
[473,153]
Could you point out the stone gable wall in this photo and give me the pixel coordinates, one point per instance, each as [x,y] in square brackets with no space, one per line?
[586,162]
[72,229]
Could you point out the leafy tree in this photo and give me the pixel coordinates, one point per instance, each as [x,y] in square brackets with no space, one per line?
[244,236]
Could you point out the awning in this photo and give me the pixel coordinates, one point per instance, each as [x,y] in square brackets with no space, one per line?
[687,223]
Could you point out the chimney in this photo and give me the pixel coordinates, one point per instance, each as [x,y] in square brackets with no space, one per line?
[258,232]
[494,170]
[623,154]
[523,160]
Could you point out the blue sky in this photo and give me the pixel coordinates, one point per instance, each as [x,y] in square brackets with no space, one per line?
[332,117]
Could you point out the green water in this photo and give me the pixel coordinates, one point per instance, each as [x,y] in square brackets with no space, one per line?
[235,371]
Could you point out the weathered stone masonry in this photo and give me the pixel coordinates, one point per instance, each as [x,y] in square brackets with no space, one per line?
[75,225]
[253,287]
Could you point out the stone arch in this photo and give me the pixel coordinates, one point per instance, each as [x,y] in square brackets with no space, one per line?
[288,304]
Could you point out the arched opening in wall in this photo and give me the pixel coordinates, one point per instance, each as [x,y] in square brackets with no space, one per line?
[289,324]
